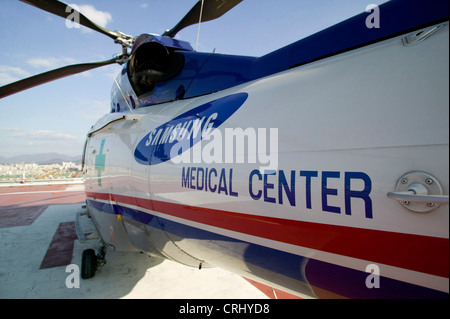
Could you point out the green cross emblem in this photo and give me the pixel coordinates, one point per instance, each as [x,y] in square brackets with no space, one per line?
[100,162]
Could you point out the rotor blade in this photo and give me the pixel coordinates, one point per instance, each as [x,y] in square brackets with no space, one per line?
[64,11]
[42,78]
[212,9]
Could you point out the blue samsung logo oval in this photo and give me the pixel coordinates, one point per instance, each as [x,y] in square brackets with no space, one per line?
[183,132]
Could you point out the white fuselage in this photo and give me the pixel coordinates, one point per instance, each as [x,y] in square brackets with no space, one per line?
[293,183]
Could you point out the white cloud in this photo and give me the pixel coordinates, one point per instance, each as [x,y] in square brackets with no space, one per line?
[93,109]
[50,62]
[10,74]
[102,18]
[6,78]
[111,71]
[15,141]
[43,62]
[10,130]
[38,134]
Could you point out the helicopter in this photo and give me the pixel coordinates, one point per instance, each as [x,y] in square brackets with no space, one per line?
[320,168]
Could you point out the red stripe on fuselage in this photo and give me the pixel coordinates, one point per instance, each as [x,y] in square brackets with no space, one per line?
[415,252]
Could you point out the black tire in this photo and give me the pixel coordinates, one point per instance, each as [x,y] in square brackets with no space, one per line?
[88,264]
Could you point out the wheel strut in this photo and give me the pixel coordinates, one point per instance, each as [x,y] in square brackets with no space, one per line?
[90,261]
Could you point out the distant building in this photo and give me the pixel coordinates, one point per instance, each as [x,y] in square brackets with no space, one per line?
[33,171]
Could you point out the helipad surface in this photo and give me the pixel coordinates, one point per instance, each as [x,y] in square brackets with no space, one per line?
[40,255]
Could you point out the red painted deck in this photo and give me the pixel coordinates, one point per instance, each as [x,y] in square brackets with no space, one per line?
[270,292]
[60,251]
[25,196]
[22,205]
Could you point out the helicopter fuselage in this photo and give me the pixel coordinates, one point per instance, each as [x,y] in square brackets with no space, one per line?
[278,168]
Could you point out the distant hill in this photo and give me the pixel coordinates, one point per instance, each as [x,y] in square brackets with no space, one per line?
[42,158]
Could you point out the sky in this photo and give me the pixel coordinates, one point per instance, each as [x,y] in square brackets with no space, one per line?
[56,116]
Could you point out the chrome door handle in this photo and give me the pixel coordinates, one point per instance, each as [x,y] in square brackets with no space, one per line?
[419,192]
[411,196]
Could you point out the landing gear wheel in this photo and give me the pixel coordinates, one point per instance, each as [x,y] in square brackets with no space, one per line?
[88,264]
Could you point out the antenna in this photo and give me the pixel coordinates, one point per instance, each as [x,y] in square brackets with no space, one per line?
[199,22]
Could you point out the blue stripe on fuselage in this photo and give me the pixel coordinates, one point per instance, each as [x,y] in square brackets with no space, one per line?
[343,281]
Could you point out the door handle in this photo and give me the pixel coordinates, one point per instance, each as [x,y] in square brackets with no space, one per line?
[419,192]
[410,196]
